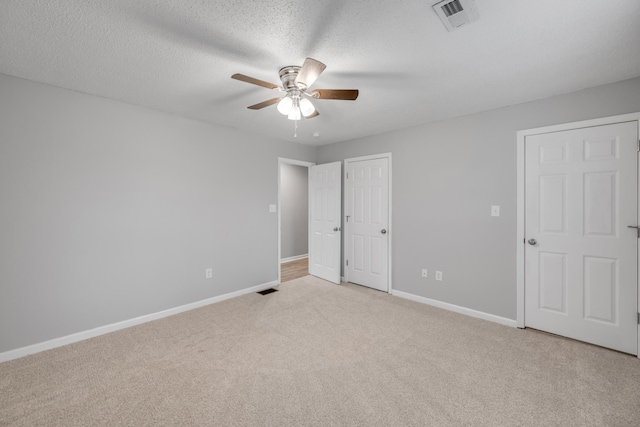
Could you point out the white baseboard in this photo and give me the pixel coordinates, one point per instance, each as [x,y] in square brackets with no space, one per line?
[294,258]
[101,330]
[456,308]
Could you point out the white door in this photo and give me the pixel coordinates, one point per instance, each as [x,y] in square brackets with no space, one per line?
[325,187]
[367,215]
[581,259]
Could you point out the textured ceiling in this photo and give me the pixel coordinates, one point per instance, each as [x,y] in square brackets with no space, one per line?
[178,56]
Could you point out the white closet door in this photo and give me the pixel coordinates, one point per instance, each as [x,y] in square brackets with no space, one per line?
[581,259]
[368,221]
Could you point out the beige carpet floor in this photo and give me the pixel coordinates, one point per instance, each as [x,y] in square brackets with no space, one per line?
[317,354]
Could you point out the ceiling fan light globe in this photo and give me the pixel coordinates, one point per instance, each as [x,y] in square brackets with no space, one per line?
[284,106]
[294,114]
[306,107]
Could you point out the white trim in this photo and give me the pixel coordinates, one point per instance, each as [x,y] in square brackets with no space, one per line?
[520,183]
[631,117]
[101,330]
[294,258]
[281,161]
[390,226]
[390,201]
[457,309]
[520,234]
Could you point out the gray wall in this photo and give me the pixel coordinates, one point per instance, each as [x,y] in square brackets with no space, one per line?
[447,174]
[111,211]
[294,210]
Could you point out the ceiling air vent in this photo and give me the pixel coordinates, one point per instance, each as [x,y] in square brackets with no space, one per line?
[456,13]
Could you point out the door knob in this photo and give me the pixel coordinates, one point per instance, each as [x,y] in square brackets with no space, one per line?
[383,231]
[532,241]
[336,228]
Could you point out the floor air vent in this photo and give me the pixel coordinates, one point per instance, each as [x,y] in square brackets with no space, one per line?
[268,291]
[456,13]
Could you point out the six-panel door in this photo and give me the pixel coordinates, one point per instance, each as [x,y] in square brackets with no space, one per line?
[368,211]
[325,204]
[581,260]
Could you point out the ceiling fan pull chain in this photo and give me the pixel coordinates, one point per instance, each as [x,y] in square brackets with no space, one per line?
[295,128]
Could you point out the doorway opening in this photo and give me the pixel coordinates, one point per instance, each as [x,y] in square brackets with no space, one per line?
[293,218]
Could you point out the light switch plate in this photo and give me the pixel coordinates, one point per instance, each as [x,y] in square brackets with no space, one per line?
[272,208]
[495,210]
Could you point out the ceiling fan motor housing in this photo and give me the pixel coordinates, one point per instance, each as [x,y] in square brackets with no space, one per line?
[288,77]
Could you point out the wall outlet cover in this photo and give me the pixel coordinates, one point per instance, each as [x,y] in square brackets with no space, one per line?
[425,273]
[439,275]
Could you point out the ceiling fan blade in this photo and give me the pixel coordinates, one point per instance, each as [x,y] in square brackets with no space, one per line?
[309,72]
[264,104]
[344,94]
[312,115]
[253,81]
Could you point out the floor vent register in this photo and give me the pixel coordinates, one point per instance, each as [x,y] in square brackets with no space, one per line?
[268,291]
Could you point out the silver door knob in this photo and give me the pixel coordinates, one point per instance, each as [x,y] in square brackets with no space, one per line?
[383,231]
[532,241]
[336,228]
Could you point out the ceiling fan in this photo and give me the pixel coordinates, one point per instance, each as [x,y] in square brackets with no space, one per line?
[295,83]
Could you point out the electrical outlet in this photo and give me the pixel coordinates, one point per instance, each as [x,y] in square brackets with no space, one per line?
[439,275]
[425,273]
[208,273]
[495,210]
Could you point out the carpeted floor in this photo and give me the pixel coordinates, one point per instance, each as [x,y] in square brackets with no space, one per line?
[317,354]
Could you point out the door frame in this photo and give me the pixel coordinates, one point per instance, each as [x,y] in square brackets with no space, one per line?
[281,161]
[520,182]
[346,198]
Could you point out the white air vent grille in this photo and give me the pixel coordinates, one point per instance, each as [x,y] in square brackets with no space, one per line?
[456,13]
[452,8]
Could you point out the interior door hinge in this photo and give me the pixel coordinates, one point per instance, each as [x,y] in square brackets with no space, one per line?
[638,318]
[638,145]
[348,264]
[348,172]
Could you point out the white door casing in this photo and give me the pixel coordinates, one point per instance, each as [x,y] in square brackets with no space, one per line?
[580,259]
[368,222]
[325,205]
